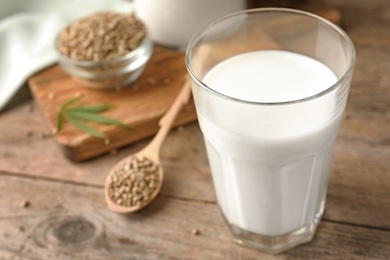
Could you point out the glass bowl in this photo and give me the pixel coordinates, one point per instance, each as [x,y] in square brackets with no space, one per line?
[110,74]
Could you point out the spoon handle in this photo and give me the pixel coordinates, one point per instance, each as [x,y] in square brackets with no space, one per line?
[165,123]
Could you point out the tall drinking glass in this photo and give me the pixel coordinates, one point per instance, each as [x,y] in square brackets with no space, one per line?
[270,87]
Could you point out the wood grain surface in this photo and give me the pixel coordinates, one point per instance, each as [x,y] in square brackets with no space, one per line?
[53,208]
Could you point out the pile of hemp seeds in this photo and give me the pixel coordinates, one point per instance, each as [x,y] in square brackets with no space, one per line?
[133,184]
[101,36]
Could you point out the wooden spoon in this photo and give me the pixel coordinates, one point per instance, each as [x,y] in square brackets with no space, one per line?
[151,154]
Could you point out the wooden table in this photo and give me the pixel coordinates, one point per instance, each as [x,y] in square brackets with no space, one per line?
[53,208]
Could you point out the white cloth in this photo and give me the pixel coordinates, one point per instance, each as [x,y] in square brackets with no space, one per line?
[27,32]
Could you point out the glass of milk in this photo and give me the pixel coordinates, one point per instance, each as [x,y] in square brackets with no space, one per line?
[270,87]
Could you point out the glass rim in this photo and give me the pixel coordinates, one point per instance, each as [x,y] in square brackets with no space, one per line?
[336,85]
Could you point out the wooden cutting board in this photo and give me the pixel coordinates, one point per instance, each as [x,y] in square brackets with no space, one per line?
[139,105]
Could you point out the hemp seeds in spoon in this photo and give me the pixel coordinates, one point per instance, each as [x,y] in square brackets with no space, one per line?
[134,182]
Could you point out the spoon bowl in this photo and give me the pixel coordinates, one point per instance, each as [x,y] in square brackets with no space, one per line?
[129,209]
[136,180]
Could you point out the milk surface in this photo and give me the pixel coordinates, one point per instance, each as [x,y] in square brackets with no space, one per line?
[269,162]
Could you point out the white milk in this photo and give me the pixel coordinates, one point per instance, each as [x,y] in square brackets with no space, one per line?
[269,163]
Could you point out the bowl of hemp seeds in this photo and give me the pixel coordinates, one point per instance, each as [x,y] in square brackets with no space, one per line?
[104,50]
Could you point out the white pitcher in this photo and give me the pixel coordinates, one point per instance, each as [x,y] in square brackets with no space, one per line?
[173,22]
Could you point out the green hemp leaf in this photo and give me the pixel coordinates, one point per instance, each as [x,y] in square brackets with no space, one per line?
[78,115]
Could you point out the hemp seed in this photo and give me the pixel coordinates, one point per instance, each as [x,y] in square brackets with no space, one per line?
[134,183]
[101,36]
[26,204]
[195,231]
